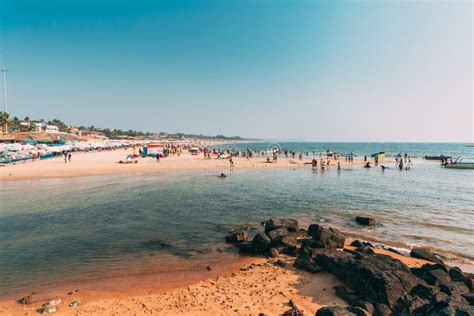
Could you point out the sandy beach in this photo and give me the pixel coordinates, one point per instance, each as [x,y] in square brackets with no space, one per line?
[106,162]
[246,286]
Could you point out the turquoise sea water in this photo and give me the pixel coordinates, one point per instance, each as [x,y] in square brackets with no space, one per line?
[79,228]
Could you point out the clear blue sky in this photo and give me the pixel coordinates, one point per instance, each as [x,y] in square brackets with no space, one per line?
[330,71]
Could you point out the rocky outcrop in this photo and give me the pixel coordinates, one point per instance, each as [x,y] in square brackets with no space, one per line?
[274,223]
[326,237]
[381,278]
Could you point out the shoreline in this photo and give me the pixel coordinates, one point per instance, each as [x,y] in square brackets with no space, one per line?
[106,163]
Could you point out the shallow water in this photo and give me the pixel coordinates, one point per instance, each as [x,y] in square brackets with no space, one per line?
[61,229]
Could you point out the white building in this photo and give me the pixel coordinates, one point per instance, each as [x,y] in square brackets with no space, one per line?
[52,129]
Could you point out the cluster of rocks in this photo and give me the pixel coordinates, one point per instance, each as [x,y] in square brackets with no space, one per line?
[374,284]
[279,236]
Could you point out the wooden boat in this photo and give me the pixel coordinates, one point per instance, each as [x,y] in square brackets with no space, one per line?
[458,164]
[437,157]
[379,154]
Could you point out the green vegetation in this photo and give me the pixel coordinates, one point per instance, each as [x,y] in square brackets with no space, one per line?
[27,125]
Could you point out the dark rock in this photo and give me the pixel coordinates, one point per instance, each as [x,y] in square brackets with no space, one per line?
[424,291]
[246,247]
[326,237]
[458,276]
[237,237]
[278,233]
[348,296]
[438,298]
[454,288]
[411,305]
[274,223]
[433,277]
[274,252]
[364,220]
[452,305]
[261,243]
[26,300]
[426,254]
[289,241]
[365,249]
[290,250]
[382,310]
[306,263]
[281,263]
[469,297]
[357,243]
[334,311]
[379,278]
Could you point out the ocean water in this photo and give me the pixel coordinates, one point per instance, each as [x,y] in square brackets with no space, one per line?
[416,150]
[79,228]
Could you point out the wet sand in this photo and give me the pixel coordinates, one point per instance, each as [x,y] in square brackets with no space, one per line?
[106,163]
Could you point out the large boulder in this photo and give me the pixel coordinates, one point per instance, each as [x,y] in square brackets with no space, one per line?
[288,223]
[365,220]
[261,243]
[457,275]
[237,237]
[454,288]
[326,237]
[426,254]
[378,278]
[278,233]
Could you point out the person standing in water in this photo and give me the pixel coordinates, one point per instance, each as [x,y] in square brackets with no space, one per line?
[231,162]
[338,167]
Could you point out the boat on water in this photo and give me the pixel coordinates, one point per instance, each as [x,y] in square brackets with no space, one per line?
[459,164]
[441,157]
[380,154]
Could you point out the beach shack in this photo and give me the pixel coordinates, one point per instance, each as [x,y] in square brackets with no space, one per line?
[153,149]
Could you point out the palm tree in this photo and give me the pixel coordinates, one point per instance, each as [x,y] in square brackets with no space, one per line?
[15,123]
[4,121]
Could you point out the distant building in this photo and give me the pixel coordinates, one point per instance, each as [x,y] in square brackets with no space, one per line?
[52,129]
[74,130]
[40,126]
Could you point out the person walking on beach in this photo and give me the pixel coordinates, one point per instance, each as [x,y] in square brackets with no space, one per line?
[65,156]
[157,157]
[69,157]
[231,162]
[365,158]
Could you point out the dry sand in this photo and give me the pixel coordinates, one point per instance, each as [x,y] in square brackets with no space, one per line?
[248,286]
[106,162]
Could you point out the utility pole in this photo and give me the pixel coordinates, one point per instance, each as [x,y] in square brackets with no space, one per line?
[5,104]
